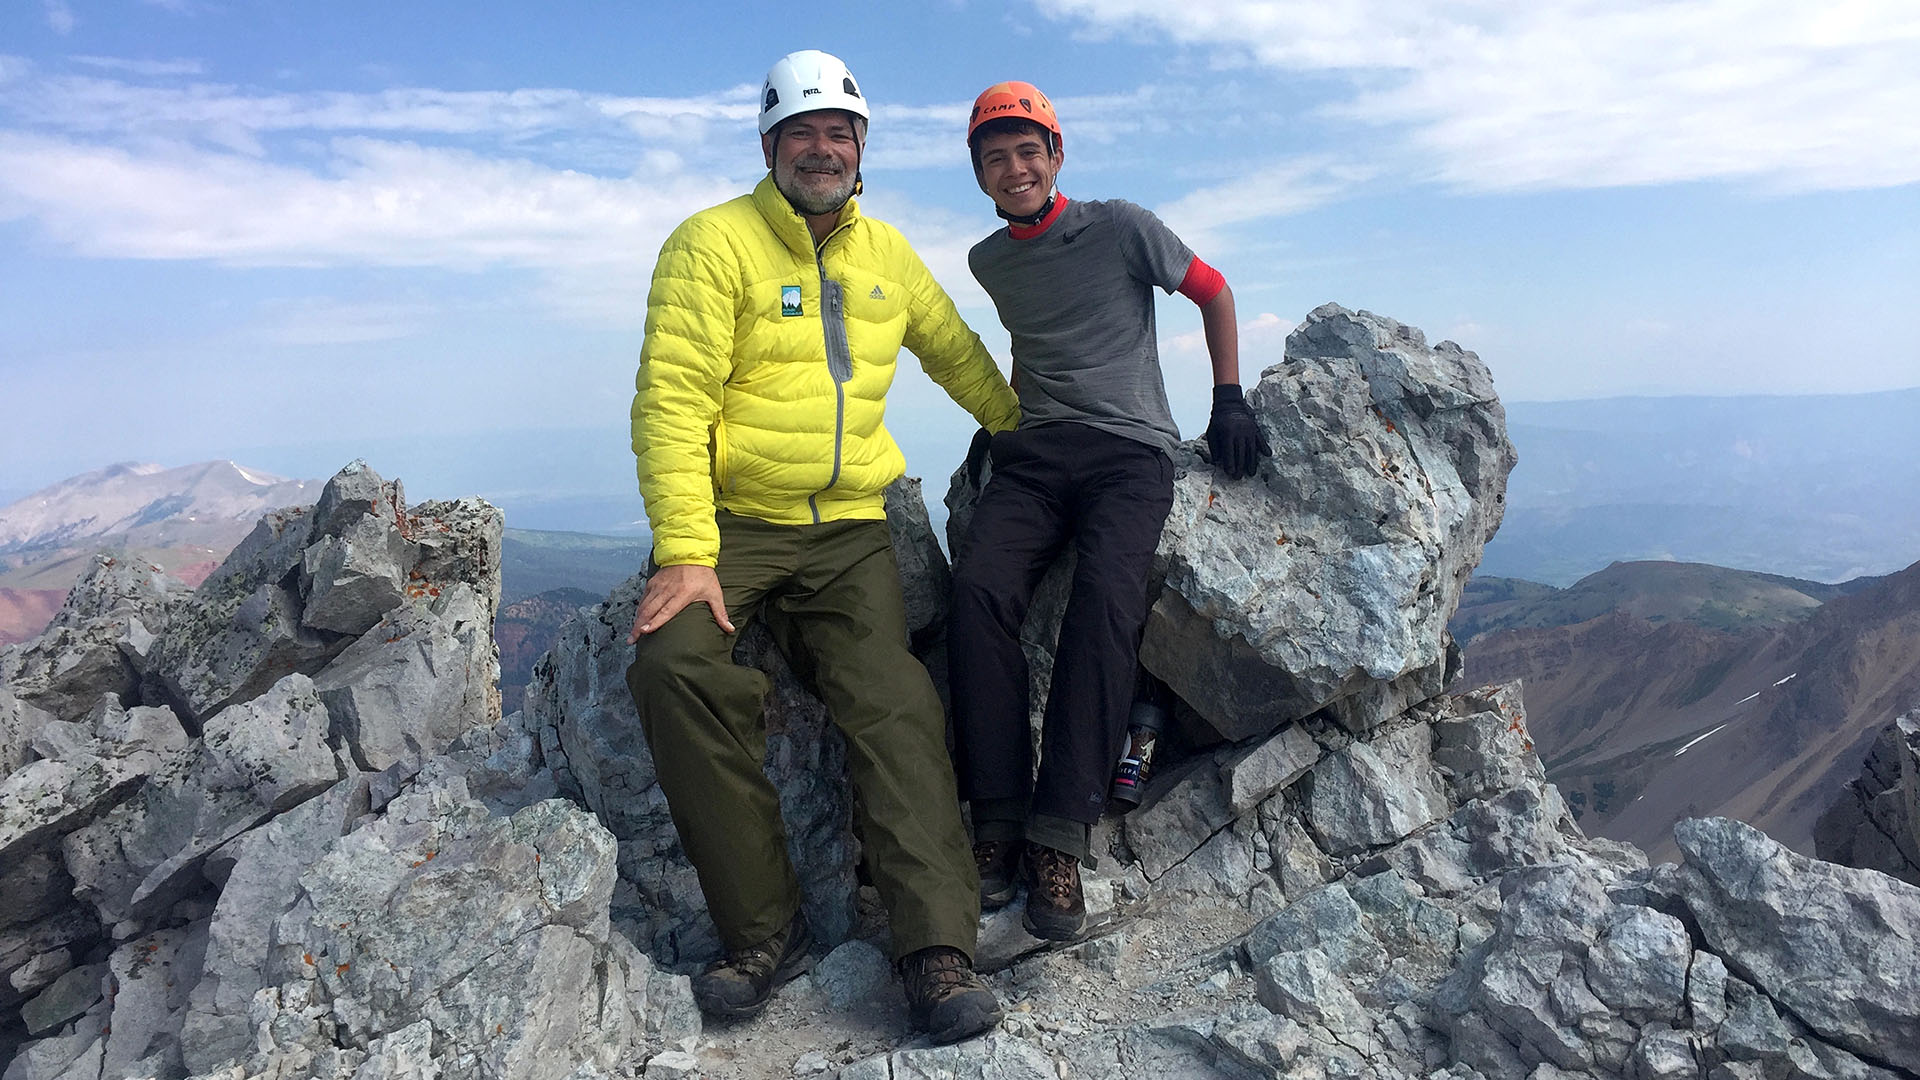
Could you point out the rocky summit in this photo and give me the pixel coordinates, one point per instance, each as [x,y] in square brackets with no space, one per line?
[277,826]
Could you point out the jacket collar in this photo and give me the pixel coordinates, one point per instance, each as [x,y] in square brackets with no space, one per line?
[786,222]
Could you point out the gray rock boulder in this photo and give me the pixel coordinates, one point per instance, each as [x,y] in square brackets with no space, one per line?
[36,952]
[88,770]
[20,721]
[67,998]
[1839,947]
[1326,581]
[457,540]
[357,576]
[1211,793]
[423,675]
[152,977]
[259,872]
[1374,792]
[99,642]
[253,760]
[241,632]
[493,931]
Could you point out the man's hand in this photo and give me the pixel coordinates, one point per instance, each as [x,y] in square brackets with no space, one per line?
[977,456]
[672,588]
[1234,439]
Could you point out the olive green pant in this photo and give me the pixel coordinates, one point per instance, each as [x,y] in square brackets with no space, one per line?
[830,594]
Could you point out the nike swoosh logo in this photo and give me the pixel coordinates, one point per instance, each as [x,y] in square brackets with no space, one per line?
[1068,238]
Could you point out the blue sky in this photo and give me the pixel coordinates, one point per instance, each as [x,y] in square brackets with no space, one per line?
[281,230]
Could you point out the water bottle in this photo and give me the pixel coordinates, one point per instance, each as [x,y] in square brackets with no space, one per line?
[1145,721]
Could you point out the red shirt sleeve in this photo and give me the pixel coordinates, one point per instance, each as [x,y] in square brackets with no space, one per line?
[1202,282]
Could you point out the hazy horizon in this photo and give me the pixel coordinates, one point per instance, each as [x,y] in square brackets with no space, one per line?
[259,226]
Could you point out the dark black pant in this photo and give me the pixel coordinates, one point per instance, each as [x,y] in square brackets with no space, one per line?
[1053,484]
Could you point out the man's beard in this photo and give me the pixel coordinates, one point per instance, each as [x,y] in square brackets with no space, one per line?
[822,194]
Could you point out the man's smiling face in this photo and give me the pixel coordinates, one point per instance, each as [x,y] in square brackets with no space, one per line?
[815,157]
[1017,170]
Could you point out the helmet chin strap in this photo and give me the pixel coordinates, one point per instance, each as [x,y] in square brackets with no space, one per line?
[1035,218]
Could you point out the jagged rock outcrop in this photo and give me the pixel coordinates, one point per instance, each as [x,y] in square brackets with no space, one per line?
[307,583]
[99,642]
[317,849]
[289,848]
[1875,822]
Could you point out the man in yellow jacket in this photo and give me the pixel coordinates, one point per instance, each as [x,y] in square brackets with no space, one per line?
[773,327]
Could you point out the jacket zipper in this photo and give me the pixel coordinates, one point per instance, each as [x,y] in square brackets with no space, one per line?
[833,324]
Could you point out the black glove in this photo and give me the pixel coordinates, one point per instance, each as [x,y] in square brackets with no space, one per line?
[977,456]
[1234,440]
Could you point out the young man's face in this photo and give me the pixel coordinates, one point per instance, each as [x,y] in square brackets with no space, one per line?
[814,157]
[1017,169]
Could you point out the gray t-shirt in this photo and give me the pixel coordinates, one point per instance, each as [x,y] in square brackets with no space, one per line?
[1078,302]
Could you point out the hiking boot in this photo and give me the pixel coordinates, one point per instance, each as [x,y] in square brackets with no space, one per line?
[740,985]
[946,999]
[999,864]
[1056,908]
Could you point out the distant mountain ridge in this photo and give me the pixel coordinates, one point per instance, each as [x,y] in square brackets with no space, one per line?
[147,505]
[1700,690]
[1712,596]
[182,520]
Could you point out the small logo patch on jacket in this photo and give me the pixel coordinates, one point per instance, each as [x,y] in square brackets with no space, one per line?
[790,300]
[877,294]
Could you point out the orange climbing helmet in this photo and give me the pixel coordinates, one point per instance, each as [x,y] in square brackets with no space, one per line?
[1016,100]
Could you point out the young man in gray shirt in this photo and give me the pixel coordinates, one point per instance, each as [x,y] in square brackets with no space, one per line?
[1088,466]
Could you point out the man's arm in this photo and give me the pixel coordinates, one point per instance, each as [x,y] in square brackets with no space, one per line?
[1223,336]
[952,354]
[1235,442]
[677,392]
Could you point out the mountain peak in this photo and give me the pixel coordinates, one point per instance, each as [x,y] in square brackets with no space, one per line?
[129,499]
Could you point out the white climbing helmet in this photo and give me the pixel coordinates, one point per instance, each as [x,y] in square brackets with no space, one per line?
[808,81]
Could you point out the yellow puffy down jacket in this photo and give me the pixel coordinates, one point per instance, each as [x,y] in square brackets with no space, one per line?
[764,375]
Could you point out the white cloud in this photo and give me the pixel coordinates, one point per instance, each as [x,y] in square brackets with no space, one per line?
[1205,217]
[83,104]
[60,17]
[1263,335]
[376,203]
[1575,94]
[150,68]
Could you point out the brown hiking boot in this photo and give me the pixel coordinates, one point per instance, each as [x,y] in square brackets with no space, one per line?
[945,997]
[1056,908]
[999,864]
[741,984]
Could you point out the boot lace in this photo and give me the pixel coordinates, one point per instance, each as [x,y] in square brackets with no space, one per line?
[1056,872]
[941,974]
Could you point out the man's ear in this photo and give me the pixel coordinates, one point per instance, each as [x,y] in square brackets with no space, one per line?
[766,145]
